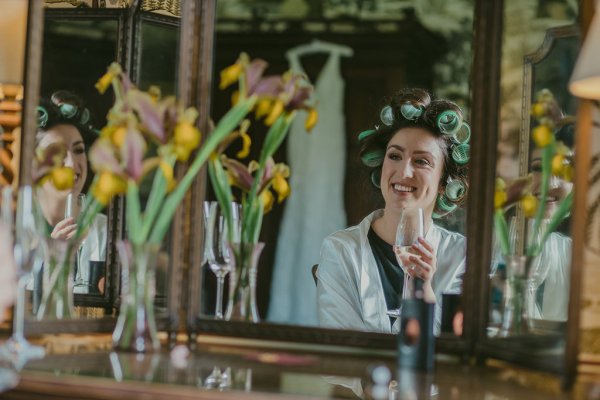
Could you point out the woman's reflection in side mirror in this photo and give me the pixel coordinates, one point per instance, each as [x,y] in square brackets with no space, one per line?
[63,120]
[418,155]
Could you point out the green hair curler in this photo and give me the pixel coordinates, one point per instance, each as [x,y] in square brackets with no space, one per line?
[365,134]
[410,112]
[448,122]
[376,178]
[387,116]
[42,116]
[455,190]
[445,205]
[463,135]
[460,153]
[373,158]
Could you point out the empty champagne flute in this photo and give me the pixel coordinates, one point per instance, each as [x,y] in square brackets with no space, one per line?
[410,228]
[26,243]
[216,248]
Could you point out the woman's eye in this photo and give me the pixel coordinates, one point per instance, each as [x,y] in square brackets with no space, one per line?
[394,156]
[422,162]
[79,150]
[536,168]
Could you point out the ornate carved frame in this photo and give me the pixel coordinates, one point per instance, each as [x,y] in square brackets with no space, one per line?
[127,49]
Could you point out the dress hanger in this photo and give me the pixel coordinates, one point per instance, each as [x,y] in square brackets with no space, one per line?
[319,46]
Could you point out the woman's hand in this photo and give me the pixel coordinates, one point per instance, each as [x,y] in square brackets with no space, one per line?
[65,229]
[424,264]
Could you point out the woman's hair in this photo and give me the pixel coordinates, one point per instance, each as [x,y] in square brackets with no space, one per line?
[66,108]
[415,108]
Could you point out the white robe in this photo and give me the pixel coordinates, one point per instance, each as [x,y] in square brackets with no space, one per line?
[349,291]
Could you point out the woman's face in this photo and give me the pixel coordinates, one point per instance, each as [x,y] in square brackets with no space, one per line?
[558,188]
[75,158]
[412,169]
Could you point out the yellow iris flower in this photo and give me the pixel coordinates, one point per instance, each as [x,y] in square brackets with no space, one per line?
[186,138]
[529,204]
[280,184]
[230,75]
[246,142]
[276,110]
[167,171]
[263,107]
[499,199]
[542,135]
[62,178]
[104,82]
[107,186]
[311,120]
[267,200]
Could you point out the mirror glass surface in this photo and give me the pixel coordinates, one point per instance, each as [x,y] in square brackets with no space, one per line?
[330,187]
[77,48]
[540,46]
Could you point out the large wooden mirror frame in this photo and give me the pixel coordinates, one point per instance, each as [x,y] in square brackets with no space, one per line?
[289,333]
[129,46]
[485,83]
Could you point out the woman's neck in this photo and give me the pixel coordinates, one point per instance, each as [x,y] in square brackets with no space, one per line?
[386,225]
[53,210]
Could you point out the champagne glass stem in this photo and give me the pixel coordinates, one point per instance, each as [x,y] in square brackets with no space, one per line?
[219,302]
[19,322]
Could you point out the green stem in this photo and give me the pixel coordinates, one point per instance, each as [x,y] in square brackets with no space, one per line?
[225,126]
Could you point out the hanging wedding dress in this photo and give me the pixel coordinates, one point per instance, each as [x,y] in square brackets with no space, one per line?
[316,206]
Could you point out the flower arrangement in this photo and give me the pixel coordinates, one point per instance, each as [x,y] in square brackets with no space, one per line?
[556,160]
[281,98]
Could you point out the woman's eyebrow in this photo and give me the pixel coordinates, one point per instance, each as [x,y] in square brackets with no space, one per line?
[78,143]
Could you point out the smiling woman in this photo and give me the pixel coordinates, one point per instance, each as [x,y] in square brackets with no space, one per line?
[418,158]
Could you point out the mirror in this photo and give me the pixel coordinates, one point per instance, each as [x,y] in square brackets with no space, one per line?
[540,46]
[286,291]
[78,45]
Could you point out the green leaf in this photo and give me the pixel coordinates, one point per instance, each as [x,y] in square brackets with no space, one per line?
[275,136]
[220,184]
[134,216]
[155,200]
[502,232]
[561,213]
[547,154]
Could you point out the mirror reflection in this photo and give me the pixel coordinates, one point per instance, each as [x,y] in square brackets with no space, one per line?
[529,293]
[77,48]
[355,77]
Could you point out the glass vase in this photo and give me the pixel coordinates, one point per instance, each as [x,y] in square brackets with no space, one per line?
[57,280]
[242,282]
[136,325]
[517,291]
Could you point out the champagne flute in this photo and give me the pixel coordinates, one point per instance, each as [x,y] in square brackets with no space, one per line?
[73,207]
[216,248]
[26,242]
[410,228]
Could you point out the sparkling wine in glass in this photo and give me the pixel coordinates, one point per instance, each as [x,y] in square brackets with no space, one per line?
[410,229]
[73,207]
[216,250]
[26,243]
